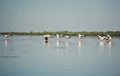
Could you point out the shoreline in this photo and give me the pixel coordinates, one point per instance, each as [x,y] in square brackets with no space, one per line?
[92,33]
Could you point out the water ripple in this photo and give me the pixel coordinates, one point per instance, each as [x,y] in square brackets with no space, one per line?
[9,56]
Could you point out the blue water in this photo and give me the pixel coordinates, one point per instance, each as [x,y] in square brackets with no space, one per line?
[31,56]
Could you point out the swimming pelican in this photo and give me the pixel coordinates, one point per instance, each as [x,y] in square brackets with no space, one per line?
[46,37]
[6,36]
[59,36]
[68,37]
[107,37]
[80,36]
[49,36]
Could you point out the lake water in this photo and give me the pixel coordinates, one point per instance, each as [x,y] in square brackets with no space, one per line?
[31,56]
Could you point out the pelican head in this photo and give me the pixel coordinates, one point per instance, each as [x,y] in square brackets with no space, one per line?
[99,36]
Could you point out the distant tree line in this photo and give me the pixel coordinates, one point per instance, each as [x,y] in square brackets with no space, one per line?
[92,33]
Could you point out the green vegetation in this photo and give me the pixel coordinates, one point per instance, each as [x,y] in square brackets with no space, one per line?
[93,33]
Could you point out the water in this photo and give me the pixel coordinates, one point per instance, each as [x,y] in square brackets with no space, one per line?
[31,56]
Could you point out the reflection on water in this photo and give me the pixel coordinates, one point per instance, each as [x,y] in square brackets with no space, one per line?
[68,43]
[61,47]
[59,43]
[105,47]
[7,44]
[104,43]
[9,56]
[65,46]
[59,57]
[46,43]
[80,45]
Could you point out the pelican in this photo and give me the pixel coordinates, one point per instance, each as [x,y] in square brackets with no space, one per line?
[6,36]
[68,37]
[49,36]
[107,37]
[80,36]
[46,37]
[59,36]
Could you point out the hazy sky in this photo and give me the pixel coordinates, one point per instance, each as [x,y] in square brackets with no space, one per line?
[59,15]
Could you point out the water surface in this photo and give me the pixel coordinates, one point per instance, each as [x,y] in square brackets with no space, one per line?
[31,56]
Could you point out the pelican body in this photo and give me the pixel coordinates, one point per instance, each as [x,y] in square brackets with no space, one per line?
[59,35]
[80,36]
[107,37]
[6,36]
[68,37]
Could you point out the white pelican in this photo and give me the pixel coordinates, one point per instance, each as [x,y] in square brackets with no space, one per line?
[49,36]
[6,36]
[80,36]
[46,37]
[107,37]
[68,37]
[59,36]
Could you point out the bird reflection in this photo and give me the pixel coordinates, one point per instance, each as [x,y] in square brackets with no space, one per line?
[7,43]
[68,44]
[80,43]
[105,46]
[81,51]
[59,42]
[103,43]
[61,47]
[46,43]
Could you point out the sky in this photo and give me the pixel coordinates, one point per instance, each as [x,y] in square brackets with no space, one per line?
[59,15]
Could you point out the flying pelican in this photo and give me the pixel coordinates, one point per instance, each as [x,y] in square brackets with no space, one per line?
[107,37]
[80,36]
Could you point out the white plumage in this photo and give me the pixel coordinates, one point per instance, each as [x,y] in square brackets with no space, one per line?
[107,37]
